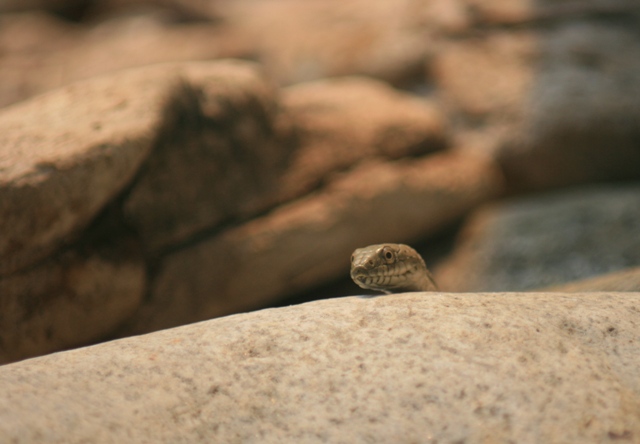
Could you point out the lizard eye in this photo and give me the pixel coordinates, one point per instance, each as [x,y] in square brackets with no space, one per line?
[388,255]
[352,258]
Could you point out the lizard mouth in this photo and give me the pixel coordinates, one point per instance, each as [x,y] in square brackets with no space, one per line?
[380,282]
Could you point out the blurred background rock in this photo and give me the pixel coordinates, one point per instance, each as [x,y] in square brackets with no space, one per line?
[147,180]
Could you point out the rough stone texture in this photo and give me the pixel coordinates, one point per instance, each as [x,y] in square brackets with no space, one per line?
[73,298]
[414,367]
[310,240]
[538,241]
[343,121]
[625,280]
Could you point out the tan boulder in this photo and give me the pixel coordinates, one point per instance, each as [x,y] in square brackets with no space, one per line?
[487,77]
[413,367]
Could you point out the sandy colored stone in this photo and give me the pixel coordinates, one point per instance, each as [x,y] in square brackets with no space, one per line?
[72,299]
[310,240]
[625,280]
[538,241]
[179,11]
[414,367]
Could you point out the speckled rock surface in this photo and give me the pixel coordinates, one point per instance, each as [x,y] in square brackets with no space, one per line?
[505,367]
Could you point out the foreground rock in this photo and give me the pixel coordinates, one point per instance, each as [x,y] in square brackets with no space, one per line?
[536,367]
[535,242]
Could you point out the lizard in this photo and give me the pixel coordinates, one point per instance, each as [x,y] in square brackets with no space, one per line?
[391,268]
